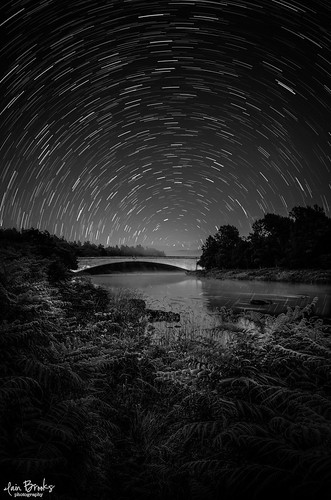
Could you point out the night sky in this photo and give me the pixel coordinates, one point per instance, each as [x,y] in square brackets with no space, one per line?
[155,122]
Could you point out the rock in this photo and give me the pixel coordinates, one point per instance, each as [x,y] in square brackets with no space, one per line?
[138,304]
[154,315]
[260,302]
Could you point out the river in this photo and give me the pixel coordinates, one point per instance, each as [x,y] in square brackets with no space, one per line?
[197,300]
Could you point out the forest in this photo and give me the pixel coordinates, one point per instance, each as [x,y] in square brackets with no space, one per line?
[95,404]
[299,241]
[41,243]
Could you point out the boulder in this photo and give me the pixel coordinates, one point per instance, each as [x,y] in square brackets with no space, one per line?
[154,315]
[260,302]
[139,304]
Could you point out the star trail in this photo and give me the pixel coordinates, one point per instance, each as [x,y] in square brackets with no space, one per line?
[143,122]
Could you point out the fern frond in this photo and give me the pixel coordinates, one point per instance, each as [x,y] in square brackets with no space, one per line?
[55,431]
[33,465]
[257,479]
[197,468]
[318,466]
[9,386]
[238,433]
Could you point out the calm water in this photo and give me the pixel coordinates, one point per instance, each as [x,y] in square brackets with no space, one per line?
[200,299]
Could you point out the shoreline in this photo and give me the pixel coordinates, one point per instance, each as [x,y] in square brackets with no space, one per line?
[319,276]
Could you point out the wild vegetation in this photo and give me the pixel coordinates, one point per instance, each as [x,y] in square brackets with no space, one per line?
[95,403]
[42,243]
[299,241]
[42,251]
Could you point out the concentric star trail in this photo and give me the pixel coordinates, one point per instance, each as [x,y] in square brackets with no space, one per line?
[143,122]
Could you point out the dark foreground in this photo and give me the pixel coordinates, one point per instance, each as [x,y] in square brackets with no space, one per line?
[92,403]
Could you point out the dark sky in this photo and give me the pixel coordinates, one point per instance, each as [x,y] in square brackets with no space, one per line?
[155,122]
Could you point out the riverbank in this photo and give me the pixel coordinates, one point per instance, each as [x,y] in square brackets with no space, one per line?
[322,276]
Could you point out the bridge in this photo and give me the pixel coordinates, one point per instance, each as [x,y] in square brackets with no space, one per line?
[185,263]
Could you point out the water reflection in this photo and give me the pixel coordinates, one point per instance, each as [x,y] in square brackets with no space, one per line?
[189,295]
[276,296]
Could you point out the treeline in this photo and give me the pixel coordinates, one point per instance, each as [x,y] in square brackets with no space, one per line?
[88,249]
[301,240]
[46,253]
[55,254]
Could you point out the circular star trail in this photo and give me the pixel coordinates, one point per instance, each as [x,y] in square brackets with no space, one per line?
[143,122]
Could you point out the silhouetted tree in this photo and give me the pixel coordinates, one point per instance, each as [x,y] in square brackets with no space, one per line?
[42,246]
[301,240]
[309,244]
[269,240]
[209,251]
[221,250]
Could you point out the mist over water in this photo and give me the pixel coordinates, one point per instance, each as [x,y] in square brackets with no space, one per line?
[201,298]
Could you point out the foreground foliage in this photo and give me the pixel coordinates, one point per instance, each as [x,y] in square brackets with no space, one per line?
[94,403]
